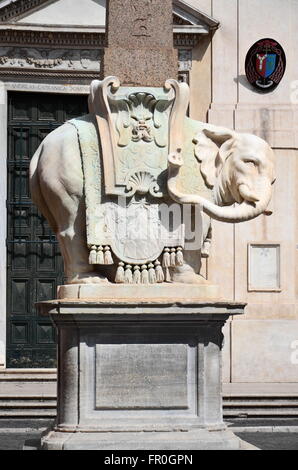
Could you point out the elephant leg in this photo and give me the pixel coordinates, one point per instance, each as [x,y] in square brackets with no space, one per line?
[188,273]
[76,259]
[207,239]
[71,234]
[73,243]
[57,186]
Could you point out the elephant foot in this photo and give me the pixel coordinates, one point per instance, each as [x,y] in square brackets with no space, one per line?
[88,278]
[189,278]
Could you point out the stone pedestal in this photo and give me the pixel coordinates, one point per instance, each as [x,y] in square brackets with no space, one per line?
[139,374]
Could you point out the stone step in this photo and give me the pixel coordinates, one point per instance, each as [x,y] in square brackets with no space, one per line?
[248,402]
[27,407]
[260,412]
[27,393]
[28,413]
[258,406]
[29,403]
[46,407]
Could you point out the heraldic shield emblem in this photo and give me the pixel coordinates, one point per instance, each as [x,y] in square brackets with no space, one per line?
[265,64]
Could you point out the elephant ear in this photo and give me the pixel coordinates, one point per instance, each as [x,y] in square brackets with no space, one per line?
[212,147]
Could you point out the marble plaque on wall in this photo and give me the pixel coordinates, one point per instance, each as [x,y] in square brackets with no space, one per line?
[264,267]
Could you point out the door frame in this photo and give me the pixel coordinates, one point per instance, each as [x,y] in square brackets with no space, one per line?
[5,87]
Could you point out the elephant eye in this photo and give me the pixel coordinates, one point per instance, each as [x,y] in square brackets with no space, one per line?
[250,160]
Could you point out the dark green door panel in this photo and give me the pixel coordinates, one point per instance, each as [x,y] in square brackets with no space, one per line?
[35,266]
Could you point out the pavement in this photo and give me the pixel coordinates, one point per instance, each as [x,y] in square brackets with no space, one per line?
[266,434]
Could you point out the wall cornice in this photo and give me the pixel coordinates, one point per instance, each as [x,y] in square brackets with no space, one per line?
[75,39]
[47,38]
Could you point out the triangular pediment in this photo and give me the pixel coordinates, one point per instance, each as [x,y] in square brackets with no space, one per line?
[90,14]
[60,12]
[187,15]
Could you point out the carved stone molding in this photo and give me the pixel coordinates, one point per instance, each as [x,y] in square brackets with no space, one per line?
[186,40]
[50,59]
[15,74]
[68,62]
[48,87]
[76,39]
[48,38]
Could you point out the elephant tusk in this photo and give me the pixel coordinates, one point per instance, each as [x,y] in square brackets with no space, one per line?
[267,213]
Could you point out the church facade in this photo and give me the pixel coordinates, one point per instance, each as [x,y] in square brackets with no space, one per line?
[50,51]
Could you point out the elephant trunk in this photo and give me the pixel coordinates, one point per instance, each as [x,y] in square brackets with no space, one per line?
[242,213]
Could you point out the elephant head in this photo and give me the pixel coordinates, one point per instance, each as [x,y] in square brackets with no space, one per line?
[238,167]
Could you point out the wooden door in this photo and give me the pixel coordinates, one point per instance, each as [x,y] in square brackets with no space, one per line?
[35,265]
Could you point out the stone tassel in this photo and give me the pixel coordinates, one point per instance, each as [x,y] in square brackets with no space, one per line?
[159,272]
[93,255]
[168,275]
[179,257]
[166,261]
[144,275]
[100,256]
[128,274]
[152,275]
[173,257]
[120,274]
[108,256]
[137,275]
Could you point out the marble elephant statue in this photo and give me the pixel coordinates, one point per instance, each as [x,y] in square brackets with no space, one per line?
[234,168]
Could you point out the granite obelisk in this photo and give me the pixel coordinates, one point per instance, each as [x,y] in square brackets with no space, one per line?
[139,41]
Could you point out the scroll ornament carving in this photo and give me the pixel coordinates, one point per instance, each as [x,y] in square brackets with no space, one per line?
[136,137]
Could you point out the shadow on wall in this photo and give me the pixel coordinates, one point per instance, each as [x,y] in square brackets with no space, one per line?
[203,81]
[242,80]
[264,115]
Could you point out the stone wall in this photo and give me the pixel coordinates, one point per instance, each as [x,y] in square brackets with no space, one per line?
[260,346]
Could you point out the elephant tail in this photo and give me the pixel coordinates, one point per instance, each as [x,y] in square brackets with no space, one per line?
[35,190]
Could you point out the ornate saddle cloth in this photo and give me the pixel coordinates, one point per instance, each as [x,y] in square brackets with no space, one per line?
[137,232]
